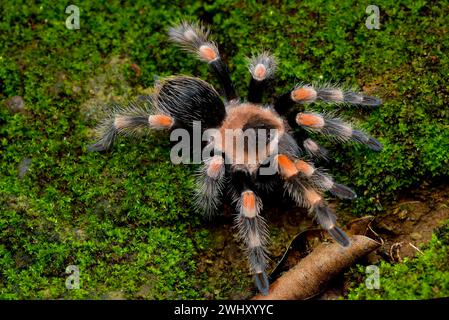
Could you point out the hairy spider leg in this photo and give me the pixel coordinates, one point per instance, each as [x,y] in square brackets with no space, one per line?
[128,121]
[262,68]
[326,217]
[299,184]
[314,149]
[327,93]
[251,226]
[322,180]
[210,184]
[194,37]
[335,128]
[178,101]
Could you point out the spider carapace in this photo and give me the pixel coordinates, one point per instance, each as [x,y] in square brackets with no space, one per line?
[181,101]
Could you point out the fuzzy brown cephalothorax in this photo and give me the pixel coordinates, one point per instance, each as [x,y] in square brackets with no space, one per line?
[258,127]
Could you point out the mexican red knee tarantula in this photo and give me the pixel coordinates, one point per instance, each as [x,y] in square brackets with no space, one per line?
[179,101]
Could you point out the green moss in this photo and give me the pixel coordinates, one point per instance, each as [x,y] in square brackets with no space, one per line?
[424,277]
[124,217]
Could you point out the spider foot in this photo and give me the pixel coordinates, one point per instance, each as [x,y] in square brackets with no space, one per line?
[262,283]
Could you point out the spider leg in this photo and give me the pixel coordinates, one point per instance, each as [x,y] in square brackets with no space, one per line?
[193,37]
[336,128]
[326,93]
[303,192]
[177,101]
[262,68]
[326,217]
[128,121]
[252,230]
[251,226]
[210,183]
[322,180]
[313,149]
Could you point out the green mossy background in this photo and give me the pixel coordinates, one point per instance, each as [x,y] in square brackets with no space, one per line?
[124,217]
[423,277]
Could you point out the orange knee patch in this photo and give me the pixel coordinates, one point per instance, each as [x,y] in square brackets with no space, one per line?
[304,167]
[207,53]
[160,121]
[260,72]
[286,166]
[304,94]
[249,204]
[309,120]
[215,166]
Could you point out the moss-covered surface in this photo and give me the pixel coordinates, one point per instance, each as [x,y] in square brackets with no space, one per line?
[424,277]
[124,217]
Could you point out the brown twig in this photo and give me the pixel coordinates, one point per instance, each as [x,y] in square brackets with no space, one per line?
[312,273]
[415,247]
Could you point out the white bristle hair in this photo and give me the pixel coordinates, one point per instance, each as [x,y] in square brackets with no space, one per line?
[193,37]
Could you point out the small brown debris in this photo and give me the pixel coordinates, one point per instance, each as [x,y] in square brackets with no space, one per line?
[15,104]
[136,70]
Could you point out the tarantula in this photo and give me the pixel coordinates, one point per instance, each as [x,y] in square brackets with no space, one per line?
[180,101]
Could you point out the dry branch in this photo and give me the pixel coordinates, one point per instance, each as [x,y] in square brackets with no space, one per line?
[312,273]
